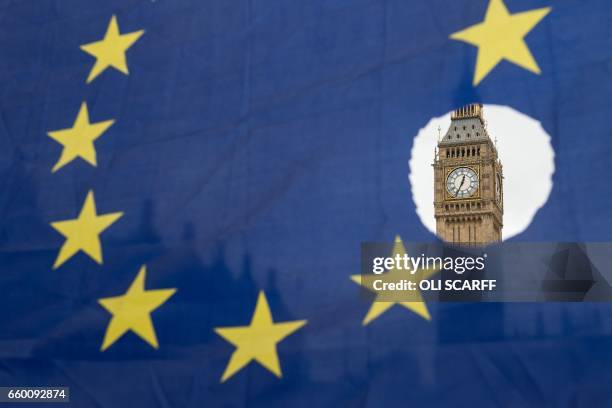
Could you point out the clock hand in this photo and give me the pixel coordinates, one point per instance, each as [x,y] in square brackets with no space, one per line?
[462,181]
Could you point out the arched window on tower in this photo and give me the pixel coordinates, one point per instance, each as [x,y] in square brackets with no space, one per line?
[478,152]
[473,151]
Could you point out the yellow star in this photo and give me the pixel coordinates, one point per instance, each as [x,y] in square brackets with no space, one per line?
[501,36]
[258,340]
[132,311]
[83,233]
[110,51]
[378,307]
[78,141]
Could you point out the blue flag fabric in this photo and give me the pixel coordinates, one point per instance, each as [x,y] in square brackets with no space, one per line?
[242,152]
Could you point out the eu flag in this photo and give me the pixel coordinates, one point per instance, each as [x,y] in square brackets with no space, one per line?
[185,186]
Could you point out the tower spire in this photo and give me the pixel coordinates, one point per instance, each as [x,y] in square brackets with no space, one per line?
[473,110]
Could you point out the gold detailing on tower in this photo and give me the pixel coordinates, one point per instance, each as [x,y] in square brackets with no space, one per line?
[473,110]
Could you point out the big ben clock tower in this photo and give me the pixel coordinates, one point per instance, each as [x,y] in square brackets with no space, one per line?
[468,182]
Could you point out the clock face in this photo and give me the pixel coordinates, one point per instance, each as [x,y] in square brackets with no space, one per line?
[462,182]
[498,187]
